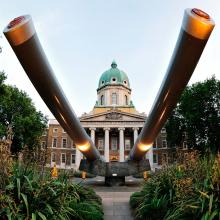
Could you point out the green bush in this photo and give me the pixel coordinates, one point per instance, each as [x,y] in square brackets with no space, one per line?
[27,195]
[187,191]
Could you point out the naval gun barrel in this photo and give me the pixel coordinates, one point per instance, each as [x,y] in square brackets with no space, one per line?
[194,34]
[24,41]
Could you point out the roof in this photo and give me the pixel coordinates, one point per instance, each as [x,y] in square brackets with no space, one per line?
[114,76]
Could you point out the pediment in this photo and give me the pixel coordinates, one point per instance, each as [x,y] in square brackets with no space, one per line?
[113,116]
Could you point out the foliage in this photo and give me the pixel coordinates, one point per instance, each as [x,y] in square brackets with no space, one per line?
[27,195]
[2,79]
[175,129]
[2,92]
[187,191]
[5,164]
[19,113]
[198,114]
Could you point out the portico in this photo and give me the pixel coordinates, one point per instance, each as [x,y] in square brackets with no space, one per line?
[113,137]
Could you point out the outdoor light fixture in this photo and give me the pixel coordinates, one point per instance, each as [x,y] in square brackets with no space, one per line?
[197,23]
[83,148]
[144,148]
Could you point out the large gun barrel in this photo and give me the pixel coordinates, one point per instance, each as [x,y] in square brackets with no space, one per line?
[195,31]
[23,39]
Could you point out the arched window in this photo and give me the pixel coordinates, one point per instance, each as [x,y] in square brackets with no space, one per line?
[114,99]
[126,100]
[102,100]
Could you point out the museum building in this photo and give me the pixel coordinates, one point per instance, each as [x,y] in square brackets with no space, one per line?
[114,125]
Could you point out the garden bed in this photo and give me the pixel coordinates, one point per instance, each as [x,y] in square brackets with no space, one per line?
[185,191]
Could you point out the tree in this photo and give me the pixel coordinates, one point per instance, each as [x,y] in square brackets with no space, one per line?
[2,79]
[2,92]
[19,113]
[198,115]
[175,129]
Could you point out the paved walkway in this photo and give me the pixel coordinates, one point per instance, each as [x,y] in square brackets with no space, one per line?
[116,205]
[115,200]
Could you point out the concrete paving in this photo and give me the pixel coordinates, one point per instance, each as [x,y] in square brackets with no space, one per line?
[116,205]
[115,200]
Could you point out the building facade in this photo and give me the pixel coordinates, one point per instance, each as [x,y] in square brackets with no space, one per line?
[113,124]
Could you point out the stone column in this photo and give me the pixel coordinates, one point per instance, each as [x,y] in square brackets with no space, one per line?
[149,156]
[121,145]
[106,144]
[78,158]
[135,134]
[92,134]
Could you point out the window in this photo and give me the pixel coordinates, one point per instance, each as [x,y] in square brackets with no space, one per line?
[184,135]
[185,146]
[174,157]
[102,100]
[114,143]
[73,158]
[64,143]
[55,130]
[43,144]
[74,151]
[45,133]
[63,158]
[164,158]
[114,79]
[163,130]
[155,143]
[54,143]
[127,144]
[164,144]
[53,157]
[73,146]
[125,82]
[126,100]
[63,131]
[114,99]
[155,158]
[100,143]
[103,82]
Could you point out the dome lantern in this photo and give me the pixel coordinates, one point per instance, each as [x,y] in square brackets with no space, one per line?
[114,64]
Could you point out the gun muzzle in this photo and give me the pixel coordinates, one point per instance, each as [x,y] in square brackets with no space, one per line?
[194,34]
[23,39]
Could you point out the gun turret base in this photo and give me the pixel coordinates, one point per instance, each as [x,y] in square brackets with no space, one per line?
[115,180]
[114,169]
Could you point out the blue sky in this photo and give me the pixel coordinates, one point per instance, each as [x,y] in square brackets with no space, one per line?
[81,38]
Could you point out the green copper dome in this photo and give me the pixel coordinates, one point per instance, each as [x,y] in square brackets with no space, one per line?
[114,76]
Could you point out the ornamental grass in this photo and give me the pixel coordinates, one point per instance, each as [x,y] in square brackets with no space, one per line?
[27,194]
[186,191]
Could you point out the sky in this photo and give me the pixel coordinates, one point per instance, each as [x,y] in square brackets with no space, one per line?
[81,38]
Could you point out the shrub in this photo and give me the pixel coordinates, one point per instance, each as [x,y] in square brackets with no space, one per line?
[27,194]
[185,191]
